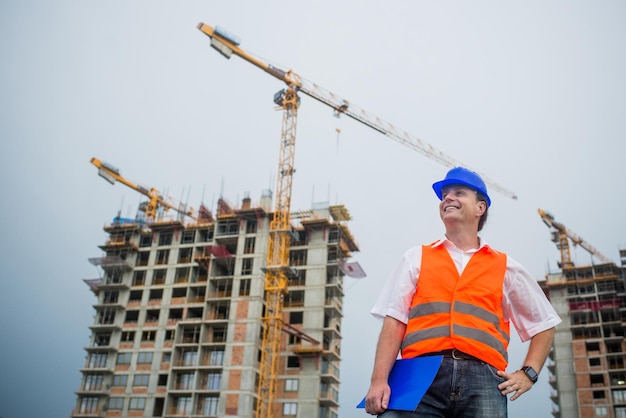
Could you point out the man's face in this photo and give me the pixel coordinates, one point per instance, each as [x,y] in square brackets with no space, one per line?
[460,204]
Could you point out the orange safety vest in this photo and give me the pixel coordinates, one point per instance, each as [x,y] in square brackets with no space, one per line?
[463,312]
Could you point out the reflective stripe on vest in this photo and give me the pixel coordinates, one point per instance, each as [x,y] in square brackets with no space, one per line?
[444,331]
[472,322]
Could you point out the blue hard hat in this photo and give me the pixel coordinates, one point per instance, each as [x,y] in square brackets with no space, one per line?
[464,177]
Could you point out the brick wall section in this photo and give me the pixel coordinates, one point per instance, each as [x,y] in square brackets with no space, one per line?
[242,309]
[234,379]
[240,332]
[232,402]
[581,364]
[237,356]
[585,397]
[579,348]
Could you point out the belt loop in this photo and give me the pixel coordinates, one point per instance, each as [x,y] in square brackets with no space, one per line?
[454,355]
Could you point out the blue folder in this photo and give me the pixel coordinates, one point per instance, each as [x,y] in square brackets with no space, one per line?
[409,380]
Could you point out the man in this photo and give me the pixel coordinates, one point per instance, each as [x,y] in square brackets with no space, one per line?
[455,298]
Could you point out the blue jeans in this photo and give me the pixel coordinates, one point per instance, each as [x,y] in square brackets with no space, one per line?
[462,389]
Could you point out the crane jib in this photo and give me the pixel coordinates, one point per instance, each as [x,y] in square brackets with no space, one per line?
[276,72]
[343,110]
[376,128]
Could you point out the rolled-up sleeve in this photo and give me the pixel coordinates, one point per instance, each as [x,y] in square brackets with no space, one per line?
[525,304]
[396,296]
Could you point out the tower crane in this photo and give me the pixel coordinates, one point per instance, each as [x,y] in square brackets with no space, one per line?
[228,44]
[277,267]
[561,236]
[156,198]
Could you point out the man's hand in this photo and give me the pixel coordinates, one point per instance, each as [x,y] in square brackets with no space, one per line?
[516,383]
[391,334]
[377,398]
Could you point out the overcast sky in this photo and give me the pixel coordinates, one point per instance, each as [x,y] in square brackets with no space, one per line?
[531,93]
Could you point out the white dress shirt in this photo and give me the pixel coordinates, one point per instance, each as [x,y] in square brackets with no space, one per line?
[524,304]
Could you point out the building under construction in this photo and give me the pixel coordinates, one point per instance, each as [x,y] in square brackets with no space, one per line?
[178,317]
[587,364]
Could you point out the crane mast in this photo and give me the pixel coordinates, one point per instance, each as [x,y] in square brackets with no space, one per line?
[156,199]
[277,267]
[277,263]
[562,235]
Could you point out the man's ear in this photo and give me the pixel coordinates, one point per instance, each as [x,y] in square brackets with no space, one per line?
[482,207]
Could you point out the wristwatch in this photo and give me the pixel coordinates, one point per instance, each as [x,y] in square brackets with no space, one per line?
[530,373]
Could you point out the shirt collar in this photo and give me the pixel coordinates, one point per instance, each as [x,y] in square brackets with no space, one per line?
[450,245]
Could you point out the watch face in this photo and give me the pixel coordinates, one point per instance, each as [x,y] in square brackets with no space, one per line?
[531,373]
